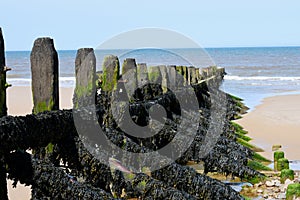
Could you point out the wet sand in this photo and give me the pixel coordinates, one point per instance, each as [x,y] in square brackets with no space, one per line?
[275,121]
[19,102]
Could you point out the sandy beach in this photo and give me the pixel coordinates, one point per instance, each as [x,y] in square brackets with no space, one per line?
[19,102]
[275,121]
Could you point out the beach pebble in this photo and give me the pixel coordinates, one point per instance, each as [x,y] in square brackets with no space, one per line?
[282,188]
[269,183]
[288,181]
[277,183]
[276,190]
[259,191]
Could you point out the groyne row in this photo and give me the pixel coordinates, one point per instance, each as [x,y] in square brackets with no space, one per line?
[61,167]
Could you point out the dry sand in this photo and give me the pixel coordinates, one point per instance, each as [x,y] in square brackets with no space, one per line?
[19,102]
[275,121]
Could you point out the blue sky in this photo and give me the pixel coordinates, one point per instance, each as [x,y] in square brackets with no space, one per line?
[211,23]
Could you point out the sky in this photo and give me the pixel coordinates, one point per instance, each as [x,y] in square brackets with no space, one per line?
[211,23]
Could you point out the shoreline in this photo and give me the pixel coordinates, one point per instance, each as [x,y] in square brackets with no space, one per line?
[275,121]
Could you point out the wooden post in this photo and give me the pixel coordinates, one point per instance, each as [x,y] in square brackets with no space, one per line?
[3,112]
[85,71]
[164,78]
[129,76]
[111,70]
[3,108]
[172,74]
[45,87]
[44,70]
[142,74]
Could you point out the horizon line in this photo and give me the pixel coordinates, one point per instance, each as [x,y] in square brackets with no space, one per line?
[209,47]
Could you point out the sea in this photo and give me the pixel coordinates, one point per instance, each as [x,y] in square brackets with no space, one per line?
[252,73]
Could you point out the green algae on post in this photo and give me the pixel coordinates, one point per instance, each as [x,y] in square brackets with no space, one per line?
[154,74]
[44,69]
[111,71]
[277,155]
[286,174]
[283,163]
[293,191]
[85,72]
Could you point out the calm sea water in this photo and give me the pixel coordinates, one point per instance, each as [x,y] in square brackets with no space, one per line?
[252,73]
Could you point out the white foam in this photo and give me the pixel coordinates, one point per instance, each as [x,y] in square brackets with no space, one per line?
[63,81]
[261,78]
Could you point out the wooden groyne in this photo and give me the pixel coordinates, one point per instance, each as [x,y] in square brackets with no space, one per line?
[70,171]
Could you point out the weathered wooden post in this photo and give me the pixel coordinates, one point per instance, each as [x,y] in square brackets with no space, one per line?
[129,76]
[165,78]
[45,86]
[142,74]
[185,75]
[44,71]
[179,76]
[111,71]
[85,71]
[172,74]
[192,75]
[3,112]
[3,108]
[155,79]
[198,78]
[154,75]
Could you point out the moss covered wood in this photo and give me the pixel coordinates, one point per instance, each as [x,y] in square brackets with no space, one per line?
[277,155]
[45,84]
[286,174]
[192,75]
[179,76]
[165,78]
[85,72]
[293,191]
[185,75]
[154,75]
[44,70]
[111,71]
[142,74]
[283,163]
[129,76]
